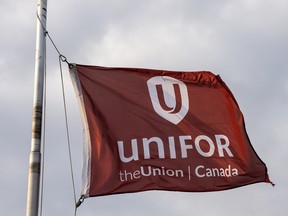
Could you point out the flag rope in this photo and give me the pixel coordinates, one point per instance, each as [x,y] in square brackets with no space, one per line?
[62,58]
[67,130]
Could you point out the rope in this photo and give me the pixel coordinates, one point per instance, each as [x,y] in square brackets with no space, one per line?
[62,58]
[67,132]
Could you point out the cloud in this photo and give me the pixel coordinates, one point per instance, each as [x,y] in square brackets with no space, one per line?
[243,41]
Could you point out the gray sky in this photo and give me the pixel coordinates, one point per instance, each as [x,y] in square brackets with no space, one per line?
[245,41]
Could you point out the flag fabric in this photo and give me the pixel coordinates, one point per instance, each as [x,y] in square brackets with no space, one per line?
[150,129]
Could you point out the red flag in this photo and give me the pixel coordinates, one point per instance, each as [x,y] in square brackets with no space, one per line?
[162,130]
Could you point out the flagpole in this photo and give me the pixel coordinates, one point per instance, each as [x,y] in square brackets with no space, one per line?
[34,175]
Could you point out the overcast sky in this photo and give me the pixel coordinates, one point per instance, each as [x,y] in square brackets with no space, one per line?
[245,41]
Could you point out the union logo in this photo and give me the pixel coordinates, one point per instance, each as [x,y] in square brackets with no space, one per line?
[169,98]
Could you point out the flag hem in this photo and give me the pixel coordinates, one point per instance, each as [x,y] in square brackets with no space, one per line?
[86,134]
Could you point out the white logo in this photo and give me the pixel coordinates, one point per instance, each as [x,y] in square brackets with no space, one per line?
[169,98]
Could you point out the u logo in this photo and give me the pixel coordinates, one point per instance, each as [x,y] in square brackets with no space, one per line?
[169,98]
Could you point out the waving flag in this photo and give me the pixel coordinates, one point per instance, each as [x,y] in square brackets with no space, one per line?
[161,130]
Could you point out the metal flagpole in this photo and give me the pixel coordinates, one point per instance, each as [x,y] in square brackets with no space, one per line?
[35,154]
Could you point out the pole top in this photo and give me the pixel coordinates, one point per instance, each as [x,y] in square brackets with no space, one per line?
[42,2]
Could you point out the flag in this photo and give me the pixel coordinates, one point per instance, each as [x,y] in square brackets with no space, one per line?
[150,129]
